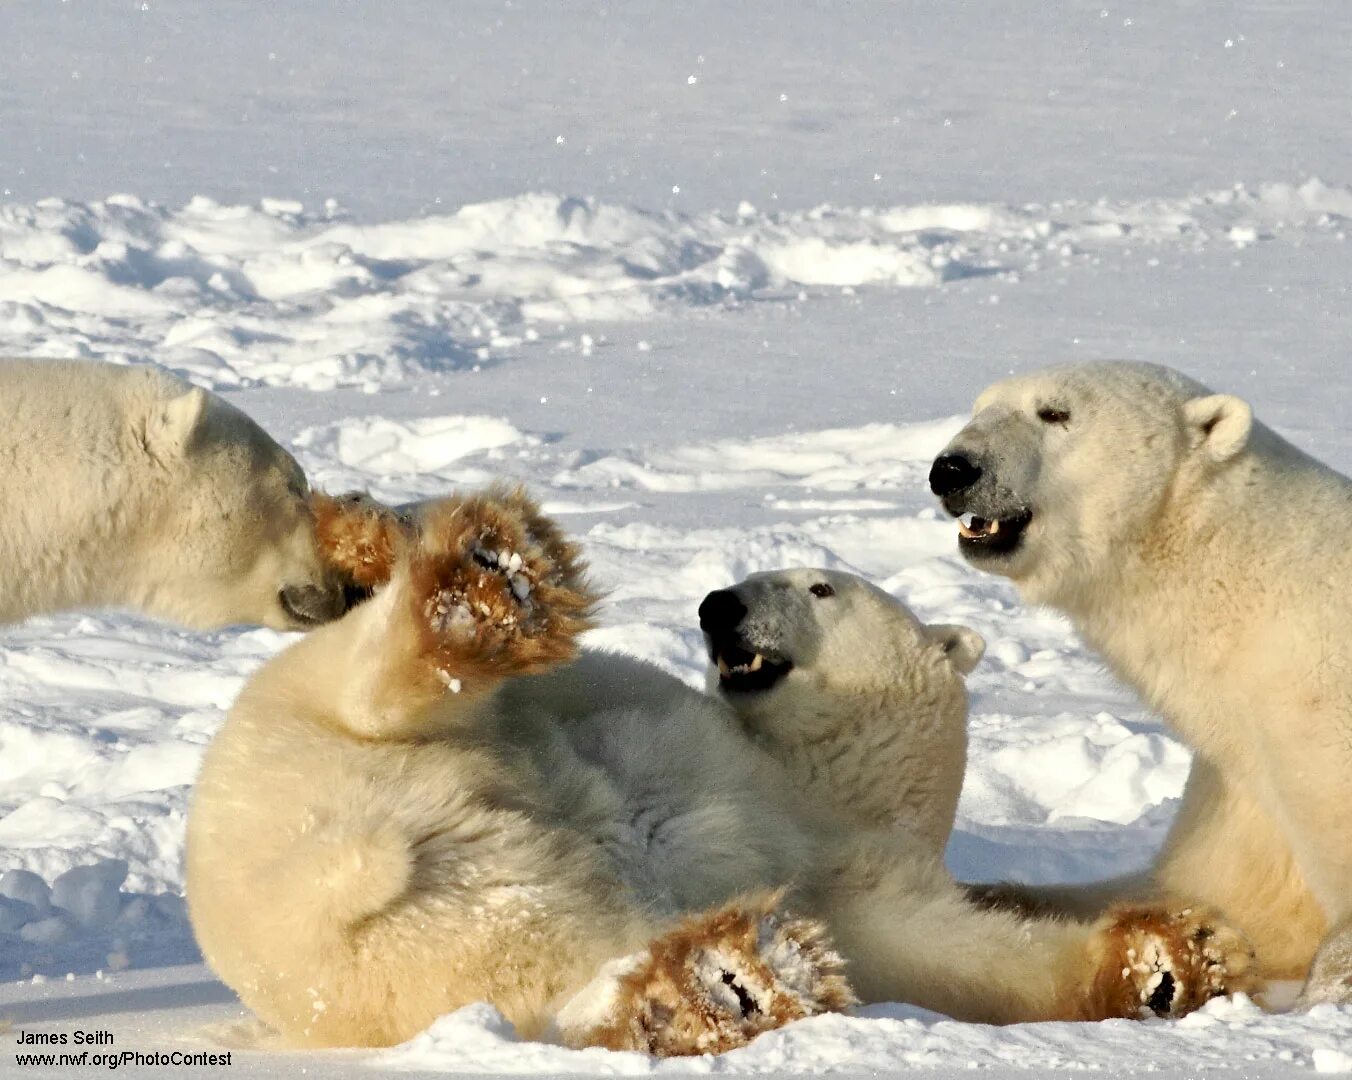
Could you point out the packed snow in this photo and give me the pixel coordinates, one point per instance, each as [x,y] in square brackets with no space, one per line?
[276,294]
[716,284]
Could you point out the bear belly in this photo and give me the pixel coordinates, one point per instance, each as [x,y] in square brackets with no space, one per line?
[660,852]
[657,801]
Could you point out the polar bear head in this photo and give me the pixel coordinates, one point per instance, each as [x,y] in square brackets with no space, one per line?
[227,532]
[791,635]
[862,704]
[1059,468]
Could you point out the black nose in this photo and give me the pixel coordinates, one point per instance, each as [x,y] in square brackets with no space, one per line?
[721,612]
[951,473]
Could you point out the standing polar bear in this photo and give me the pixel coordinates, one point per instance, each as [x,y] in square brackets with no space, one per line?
[425,805]
[127,487]
[1206,559]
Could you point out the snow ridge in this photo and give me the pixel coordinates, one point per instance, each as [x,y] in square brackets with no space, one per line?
[283,295]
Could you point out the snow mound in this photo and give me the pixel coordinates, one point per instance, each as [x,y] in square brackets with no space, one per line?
[414,458]
[875,456]
[102,729]
[1067,768]
[278,294]
[87,919]
[477,1040]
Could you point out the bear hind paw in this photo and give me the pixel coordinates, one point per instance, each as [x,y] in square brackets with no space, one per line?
[1157,961]
[720,979]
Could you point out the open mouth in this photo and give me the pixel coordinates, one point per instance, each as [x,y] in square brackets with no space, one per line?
[742,671]
[993,536]
[297,614]
[354,594]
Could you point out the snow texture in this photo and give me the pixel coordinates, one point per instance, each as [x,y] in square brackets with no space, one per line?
[276,294]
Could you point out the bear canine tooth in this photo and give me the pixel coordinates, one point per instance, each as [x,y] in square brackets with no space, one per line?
[755,664]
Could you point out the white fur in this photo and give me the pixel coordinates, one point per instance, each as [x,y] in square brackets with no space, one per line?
[872,720]
[396,857]
[1208,560]
[127,487]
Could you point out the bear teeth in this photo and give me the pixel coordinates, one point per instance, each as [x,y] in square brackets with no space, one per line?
[740,669]
[970,525]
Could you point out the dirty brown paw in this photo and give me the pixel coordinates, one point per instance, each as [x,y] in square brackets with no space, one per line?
[1160,961]
[720,979]
[496,589]
[359,539]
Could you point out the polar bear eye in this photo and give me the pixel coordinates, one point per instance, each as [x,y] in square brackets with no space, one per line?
[1049,415]
[821,590]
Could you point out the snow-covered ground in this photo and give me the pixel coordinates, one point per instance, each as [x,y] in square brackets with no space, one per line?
[717,283]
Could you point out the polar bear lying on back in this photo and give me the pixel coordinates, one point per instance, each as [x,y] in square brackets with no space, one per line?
[424,805]
[127,487]
[1208,560]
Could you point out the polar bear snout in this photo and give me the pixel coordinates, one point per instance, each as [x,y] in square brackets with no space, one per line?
[952,474]
[742,666]
[312,605]
[991,519]
[721,612]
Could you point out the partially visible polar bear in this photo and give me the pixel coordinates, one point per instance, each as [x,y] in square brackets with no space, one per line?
[127,487]
[424,805]
[1208,560]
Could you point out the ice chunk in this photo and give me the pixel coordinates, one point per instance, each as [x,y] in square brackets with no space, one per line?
[13,914]
[91,894]
[28,888]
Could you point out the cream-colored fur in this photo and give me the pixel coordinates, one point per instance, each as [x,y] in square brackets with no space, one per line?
[1206,559]
[872,720]
[407,811]
[127,487]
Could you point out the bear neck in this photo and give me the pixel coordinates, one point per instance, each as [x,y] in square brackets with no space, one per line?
[877,755]
[77,541]
[1218,584]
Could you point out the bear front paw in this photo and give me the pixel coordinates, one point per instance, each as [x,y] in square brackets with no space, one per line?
[1160,961]
[359,539]
[496,589]
[721,979]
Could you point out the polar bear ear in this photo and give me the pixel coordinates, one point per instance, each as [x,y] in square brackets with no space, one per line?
[1218,425]
[963,647]
[173,423]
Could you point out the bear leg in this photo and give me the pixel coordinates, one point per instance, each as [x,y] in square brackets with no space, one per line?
[1330,979]
[487,590]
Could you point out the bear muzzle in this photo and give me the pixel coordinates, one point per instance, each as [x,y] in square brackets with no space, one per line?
[312,605]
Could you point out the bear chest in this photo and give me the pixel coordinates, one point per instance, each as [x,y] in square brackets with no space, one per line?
[671,822]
